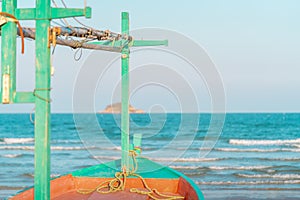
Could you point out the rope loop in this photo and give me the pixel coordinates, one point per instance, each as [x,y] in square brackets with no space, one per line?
[40,97]
[119,183]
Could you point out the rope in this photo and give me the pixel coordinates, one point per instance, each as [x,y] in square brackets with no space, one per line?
[152,193]
[19,26]
[40,97]
[76,56]
[64,20]
[119,184]
[115,185]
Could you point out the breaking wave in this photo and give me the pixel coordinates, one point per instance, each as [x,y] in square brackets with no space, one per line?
[280,182]
[12,155]
[186,159]
[239,167]
[264,142]
[31,148]
[276,176]
[16,140]
[258,150]
[184,167]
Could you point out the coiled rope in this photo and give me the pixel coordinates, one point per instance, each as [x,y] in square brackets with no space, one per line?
[119,184]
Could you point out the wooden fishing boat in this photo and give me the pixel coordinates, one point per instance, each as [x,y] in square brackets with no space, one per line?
[132,177]
[146,183]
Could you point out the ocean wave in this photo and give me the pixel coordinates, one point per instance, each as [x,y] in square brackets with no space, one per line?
[67,141]
[60,148]
[16,140]
[279,182]
[258,150]
[186,159]
[276,176]
[264,142]
[31,175]
[296,145]
[280,159]
[106,157]
[239,167]
[184,167]
[17,148]
[31,148]
[164,159]
[55,175]
[10,188]
[28,175]
[12,155]
[116,148]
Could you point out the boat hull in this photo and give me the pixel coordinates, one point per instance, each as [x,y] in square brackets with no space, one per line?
[83,184]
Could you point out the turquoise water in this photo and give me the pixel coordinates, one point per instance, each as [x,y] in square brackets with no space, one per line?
[257,156]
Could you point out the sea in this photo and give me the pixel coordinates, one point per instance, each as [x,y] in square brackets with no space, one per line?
[240,156]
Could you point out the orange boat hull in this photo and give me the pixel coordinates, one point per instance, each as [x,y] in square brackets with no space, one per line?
[68,187]
[161,179]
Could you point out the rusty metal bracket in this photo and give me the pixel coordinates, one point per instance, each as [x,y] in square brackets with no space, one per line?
[53,33]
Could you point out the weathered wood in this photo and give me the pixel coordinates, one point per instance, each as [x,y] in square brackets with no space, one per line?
[30,33]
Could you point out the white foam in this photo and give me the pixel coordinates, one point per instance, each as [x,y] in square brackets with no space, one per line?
[277,176]
[279,182]
[282,159]
[164,159]
[238,167]
[11,155]
[31,148]
[185,159]
[184,167]
[106,157]
[67,148]
[18,140]
[116,148]
[263,142]
[258,150]
[17,147]
[54,175]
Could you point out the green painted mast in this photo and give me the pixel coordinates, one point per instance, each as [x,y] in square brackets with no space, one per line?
[43,13]
[8,56]
[42,102]
[125,95]
[40,96]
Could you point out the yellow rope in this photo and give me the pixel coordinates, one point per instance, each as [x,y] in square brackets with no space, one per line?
[119,183]
[152,193]
[114,185]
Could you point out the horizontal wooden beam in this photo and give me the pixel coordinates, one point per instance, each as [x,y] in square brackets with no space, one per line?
[134,43]
[24,97]
[56,13]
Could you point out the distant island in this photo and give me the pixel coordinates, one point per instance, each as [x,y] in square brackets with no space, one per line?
[117,108]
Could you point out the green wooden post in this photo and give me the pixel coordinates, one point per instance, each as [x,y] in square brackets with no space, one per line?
[42,102]
[43,13]
[8,56]
[125,95]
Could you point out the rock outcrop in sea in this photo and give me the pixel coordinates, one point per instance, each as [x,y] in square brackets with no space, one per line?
[117,108]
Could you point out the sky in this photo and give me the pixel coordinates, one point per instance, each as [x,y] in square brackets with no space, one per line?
[254,45]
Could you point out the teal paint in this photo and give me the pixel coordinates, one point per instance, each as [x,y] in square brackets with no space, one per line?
[146,168]
[43,13]
[125,96]
[42,107]
[24,97]
[8,55]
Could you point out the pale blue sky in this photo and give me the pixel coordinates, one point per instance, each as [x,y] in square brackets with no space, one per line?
[254,43]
